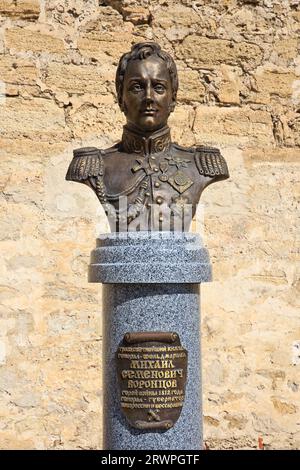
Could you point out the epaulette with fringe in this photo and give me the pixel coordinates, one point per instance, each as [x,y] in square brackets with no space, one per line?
[87,161]
[210,162]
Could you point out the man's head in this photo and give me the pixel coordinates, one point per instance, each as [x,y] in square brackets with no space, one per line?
[147,84]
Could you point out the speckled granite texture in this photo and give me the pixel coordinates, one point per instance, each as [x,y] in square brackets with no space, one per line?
[156,288]
[149,257]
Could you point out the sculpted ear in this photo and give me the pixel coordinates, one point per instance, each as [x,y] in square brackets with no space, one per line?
[123,107]
[172,106]
[121,103]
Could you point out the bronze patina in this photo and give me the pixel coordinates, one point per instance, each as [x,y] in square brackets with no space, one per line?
[152,372]
[146,181]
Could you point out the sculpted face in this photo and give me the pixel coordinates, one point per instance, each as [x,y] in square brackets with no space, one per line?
[147,94]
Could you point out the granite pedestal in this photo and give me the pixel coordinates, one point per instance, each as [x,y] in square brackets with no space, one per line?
[151,283]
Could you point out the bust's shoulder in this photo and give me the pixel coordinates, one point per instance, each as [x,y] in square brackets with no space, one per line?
[195,148]
[88,161]
[209,160]
[110,151]
[176,148]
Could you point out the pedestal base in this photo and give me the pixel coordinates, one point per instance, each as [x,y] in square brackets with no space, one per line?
[156,289]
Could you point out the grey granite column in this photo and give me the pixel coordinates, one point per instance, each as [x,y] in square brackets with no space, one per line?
[151,283]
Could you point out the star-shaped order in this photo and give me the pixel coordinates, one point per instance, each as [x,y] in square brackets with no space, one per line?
[178,162]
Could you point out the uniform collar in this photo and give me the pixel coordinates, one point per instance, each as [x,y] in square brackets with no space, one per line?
[135,142]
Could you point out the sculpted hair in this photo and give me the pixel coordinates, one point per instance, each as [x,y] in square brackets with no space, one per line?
[141,51]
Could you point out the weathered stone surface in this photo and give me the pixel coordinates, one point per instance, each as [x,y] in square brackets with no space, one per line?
[109,46]
[229,86]
[239,74]
[233,126]
[271,83]
[87,118]
[24,9]
[22,40]
[135,14]
[190,86]
[286,155]
[285,50]
[181,122]
[203,51]
[38,119]
[19,71]
[77,79]
[106,37]
[165,18]
[24,146]
[282,407]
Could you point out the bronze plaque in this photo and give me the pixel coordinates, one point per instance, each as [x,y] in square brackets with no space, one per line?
[152,371]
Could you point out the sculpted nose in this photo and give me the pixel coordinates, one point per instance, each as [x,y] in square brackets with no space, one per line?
[149,93]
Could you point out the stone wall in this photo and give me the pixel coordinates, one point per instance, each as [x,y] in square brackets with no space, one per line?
[239,70]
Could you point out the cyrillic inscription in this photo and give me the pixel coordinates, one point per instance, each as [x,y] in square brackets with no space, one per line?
[152,368]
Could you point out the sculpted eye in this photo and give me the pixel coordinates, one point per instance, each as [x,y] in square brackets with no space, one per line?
[159,88]
[136,87]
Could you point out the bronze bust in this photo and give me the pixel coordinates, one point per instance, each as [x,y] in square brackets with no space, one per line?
[145,181]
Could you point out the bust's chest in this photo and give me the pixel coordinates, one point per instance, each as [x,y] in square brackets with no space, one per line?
[164,176]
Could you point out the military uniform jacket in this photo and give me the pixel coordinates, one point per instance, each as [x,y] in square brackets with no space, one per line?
[148,182]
